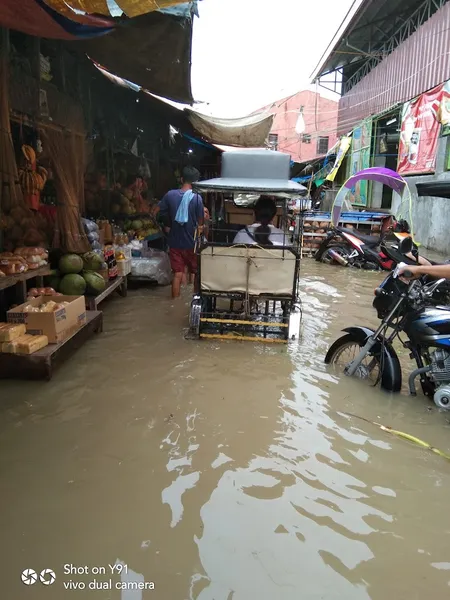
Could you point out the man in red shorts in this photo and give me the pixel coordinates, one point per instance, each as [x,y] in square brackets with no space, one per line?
[185,212]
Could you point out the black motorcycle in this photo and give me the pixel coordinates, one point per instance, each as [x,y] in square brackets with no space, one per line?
[348,247]
[404,308]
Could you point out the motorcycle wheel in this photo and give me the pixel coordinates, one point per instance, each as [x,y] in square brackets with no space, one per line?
[341,249]
[346,349]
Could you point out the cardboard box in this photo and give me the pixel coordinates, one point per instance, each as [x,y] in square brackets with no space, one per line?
[57,326]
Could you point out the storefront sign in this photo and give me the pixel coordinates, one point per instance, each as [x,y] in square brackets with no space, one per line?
[421,125]
[344,146]
[360,160]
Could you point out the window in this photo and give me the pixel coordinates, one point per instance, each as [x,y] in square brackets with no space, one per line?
[322,145]
[273,141]
[306,138]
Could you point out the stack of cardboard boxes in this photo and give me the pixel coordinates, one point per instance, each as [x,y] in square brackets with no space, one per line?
[28,332]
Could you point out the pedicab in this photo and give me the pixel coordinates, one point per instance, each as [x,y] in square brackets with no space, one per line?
[248,291]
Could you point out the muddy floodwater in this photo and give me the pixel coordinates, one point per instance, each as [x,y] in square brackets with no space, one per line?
[221,471]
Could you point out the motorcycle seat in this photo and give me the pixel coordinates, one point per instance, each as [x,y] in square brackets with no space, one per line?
[369,240]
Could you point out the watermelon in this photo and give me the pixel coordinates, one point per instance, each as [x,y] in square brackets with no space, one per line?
[70,263]
[72,285]
[92,261]
[95,284]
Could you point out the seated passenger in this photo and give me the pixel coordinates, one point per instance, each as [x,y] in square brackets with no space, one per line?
[262,232]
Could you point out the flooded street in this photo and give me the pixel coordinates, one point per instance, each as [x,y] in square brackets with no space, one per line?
[222,471]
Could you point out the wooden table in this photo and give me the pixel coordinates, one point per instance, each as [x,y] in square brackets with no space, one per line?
[42,363]
[120,285]
[20,280]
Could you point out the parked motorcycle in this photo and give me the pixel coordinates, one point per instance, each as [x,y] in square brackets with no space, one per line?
[404,308]
[348,247]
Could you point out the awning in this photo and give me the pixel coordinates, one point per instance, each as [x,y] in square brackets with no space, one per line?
[132,8]
[35,17]
[152,51]
[434,189]
[247,132]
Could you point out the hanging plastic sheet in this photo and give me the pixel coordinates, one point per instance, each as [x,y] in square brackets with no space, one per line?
[184,10]
[341,151]
[131,8]
[35,17]
[248,132]
[152,51]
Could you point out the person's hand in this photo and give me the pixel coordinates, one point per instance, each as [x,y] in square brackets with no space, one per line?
[413,271]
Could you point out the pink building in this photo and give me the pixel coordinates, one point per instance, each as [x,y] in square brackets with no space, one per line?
[320,116]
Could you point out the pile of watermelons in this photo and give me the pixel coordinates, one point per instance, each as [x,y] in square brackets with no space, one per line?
[78,275]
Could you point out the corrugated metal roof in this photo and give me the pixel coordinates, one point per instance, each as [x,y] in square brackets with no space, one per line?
[420,63]
[369,23]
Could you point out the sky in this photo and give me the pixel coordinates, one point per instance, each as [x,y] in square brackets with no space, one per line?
[248,53]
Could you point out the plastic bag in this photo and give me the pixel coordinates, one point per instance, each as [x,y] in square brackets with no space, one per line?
[93,236]
[89,226]
[96,246]
[154,268]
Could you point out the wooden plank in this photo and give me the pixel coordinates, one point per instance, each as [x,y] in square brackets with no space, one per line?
[11,280]
[42,364]
[92,302]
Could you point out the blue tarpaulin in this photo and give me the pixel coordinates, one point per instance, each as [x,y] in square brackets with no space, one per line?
[185,10]
[199,142]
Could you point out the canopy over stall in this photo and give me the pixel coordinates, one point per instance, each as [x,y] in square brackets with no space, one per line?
[36,17]
[246,132]
[380,175]
[247,171]
[131,8]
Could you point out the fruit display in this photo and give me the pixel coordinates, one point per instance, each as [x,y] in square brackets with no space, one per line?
[123,203]
[48,291]
[23,227]
[141,228]
[92,261]
[79,275]
[70,264]
[73,284]
[95,283]
[32,178]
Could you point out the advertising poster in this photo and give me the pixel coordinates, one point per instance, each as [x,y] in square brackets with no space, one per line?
[421,126]
[360,159]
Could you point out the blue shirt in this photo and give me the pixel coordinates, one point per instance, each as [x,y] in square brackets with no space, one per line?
[181,237]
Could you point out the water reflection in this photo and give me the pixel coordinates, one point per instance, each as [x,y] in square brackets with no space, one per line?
[224,471]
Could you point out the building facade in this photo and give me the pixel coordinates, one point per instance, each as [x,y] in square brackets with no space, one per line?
[393,79]
[320,116]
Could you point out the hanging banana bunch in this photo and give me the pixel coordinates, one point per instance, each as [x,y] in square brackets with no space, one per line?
[32,178]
